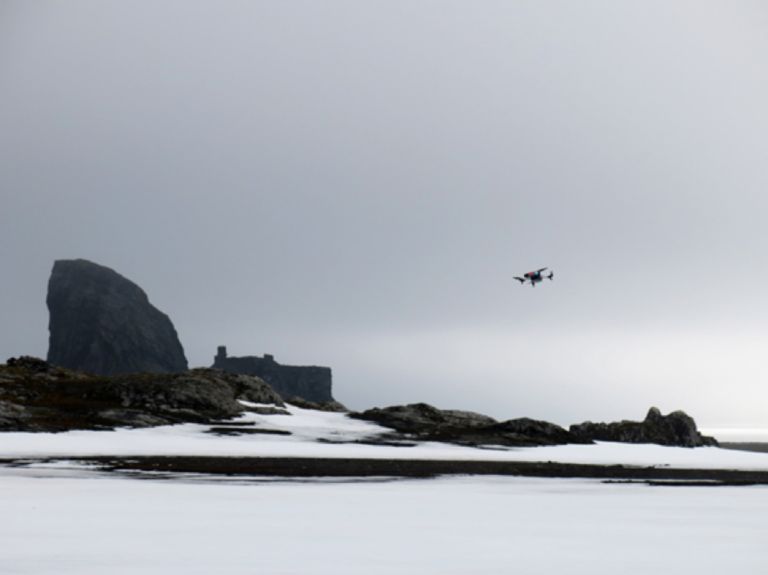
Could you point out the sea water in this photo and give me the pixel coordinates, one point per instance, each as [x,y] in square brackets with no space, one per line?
[738,434]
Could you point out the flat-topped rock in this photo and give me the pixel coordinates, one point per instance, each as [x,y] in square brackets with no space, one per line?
[295,383]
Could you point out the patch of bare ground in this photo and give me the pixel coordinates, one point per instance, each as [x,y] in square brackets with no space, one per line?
[344,468]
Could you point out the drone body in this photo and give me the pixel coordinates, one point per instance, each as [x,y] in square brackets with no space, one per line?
[535,277]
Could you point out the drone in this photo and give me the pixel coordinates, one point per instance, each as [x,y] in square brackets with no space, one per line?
[535,277]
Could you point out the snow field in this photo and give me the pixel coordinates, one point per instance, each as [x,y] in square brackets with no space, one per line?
[307,426]
[65,525]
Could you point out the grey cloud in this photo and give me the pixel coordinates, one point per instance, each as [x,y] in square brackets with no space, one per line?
[329,181]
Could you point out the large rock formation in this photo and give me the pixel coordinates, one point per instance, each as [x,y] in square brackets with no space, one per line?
[103,323]
[37,396]
[311,383]
[677,428]
[423,422]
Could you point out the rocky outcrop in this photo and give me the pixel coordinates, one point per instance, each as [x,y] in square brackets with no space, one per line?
[677,428]
[423,422]
[37,396]
[102,323]
[309,383]
[419,418]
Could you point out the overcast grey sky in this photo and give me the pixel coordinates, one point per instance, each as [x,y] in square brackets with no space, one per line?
[355,184]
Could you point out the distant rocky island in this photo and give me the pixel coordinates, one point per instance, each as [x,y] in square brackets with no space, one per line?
[116,361]
[103,323]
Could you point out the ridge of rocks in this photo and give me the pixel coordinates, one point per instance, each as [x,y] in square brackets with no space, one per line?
[424,422]
[37,396]
[677,428]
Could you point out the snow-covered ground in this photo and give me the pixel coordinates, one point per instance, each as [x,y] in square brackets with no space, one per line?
[65,518]
[307,426]
[55,523]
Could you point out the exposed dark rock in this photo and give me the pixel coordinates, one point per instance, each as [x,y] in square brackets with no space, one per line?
[39,397]
[379,441]
[422,417]
[12,416]
[102,323]
[677,428]
[246,431]
[33,364]
[369,467]
[332,406]
[265,410]
[427,423]
[542,432]
[231,423]
[310,383]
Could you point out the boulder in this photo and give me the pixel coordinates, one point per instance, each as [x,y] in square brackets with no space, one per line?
[102,323]
[677,429]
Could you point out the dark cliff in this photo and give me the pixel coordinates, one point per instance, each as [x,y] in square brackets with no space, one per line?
[102,323]
[311,383]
